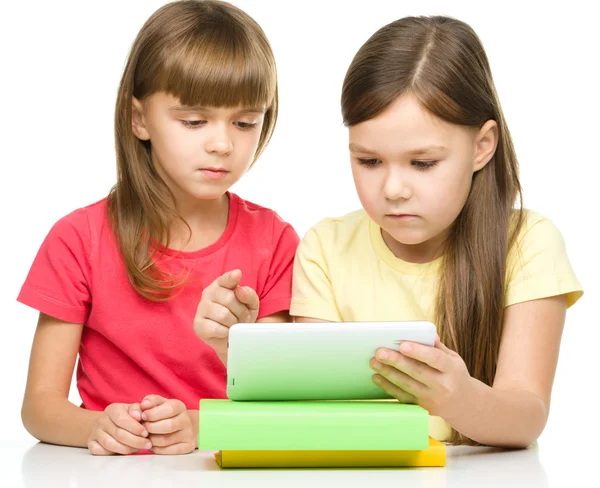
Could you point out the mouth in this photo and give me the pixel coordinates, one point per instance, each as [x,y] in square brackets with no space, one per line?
[214,173]
[401,216]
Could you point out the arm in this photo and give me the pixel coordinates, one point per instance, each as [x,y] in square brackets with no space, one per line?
[513,413]
[46,412]
[225,302]
[510,413]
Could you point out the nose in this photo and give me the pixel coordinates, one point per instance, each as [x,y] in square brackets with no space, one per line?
[397,186]
[219,142]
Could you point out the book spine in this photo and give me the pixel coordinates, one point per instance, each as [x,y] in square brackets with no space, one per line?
[432,457]
[313,430]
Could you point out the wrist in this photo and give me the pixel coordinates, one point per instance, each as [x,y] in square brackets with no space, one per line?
[466,397]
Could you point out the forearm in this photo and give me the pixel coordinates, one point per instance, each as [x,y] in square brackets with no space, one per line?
[52,418]
[500,418]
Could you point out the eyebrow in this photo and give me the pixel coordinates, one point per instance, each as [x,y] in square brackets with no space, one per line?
[413,152]
[198,108]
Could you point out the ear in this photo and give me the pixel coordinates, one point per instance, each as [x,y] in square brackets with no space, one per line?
[138,124]
[486,141]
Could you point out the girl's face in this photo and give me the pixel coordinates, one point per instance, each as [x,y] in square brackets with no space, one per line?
[198,151]
[413,173]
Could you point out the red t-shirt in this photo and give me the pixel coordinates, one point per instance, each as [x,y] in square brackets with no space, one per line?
[131,346]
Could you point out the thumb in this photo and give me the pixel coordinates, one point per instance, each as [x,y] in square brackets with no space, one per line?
[231,279]
[440,345]
[135,411]
[151,401]
[248,297]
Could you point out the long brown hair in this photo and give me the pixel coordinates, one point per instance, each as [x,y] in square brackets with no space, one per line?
[441,62]
[204,53]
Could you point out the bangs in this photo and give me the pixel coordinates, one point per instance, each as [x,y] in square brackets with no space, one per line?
[220,67]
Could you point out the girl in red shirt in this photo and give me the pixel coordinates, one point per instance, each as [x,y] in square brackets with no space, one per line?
[143,285]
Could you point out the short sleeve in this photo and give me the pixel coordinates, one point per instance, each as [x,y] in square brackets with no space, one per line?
[312,293]
[539,267]
[277,291]
[58,281]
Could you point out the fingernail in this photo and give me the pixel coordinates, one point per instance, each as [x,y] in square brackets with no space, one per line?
[377,365]
[144,416]
[382,355]
[145,433]
[405,347]
[148,445]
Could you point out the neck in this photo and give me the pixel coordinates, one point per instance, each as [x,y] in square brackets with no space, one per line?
[195,211]
[207,220]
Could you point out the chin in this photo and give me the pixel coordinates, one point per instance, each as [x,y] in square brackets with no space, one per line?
[207,192]
[408,238]
[207,195]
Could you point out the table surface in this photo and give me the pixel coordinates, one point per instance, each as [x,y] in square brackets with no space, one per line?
[33,464]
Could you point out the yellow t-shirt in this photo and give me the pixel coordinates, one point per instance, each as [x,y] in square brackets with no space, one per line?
[344,272]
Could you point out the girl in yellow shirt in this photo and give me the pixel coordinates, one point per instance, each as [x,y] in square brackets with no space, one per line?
[442,237]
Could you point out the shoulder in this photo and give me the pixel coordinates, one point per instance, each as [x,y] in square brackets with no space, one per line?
[252,212]
[538,265]
[261,222]
[80,222]
[341,230]
[337,236]
[537,230]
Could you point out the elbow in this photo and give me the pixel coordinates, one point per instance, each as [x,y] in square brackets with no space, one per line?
[532,435]
[521,440]
[26,419]
[536,423]
[532,424]
[30,420]
[520,426]
[521,443]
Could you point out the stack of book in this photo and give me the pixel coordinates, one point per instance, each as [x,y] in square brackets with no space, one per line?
[278,434]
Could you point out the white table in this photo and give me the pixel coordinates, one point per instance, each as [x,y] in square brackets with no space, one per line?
[35,465]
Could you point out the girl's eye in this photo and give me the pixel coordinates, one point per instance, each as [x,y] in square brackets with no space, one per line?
[369,162]
[245,125]
[424,165]
[193,123]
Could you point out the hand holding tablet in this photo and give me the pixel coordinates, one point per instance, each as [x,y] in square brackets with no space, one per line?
[313,361]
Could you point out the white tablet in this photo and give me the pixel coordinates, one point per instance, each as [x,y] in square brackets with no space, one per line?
[313,361]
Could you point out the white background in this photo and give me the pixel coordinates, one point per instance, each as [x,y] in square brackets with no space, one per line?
[61,63]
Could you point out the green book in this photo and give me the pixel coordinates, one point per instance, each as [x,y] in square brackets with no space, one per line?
[312,425]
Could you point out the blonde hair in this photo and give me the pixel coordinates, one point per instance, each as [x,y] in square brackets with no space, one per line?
[441,62]
[204,53]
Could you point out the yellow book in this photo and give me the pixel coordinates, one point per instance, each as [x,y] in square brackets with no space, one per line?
[434,455]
